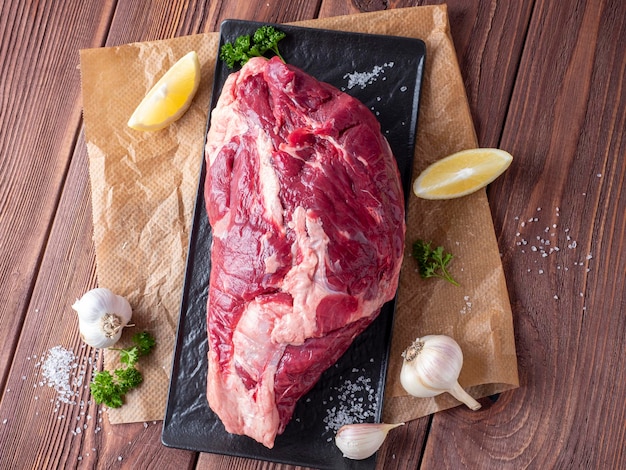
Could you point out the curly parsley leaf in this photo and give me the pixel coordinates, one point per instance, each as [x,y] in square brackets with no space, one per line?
[432,262]
[110,388]
[104,389]
[128,378]
[129,356]
[144,343]
[265,38]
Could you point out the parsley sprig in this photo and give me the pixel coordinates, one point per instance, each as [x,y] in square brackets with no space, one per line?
[265,39]
[110,388]
[432,262]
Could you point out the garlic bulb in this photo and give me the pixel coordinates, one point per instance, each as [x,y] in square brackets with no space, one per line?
[101,317]
[360,441]
[431,366]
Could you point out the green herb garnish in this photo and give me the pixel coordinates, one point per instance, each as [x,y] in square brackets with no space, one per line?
[432,262]
[110,388]
[265,39]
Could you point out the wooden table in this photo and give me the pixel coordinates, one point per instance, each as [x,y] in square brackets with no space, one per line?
[546,80]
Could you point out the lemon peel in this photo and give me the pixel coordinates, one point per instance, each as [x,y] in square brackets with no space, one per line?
[170,97]
[461,173]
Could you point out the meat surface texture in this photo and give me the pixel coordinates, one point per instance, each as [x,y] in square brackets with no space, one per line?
[306,206]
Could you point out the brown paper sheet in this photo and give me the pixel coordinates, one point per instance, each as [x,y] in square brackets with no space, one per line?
[144,186]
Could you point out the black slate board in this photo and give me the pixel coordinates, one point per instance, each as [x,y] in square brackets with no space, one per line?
[390,72]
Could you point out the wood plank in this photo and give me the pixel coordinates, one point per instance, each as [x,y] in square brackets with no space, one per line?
[41,111]
[488,37]
[276,11]
[565,128]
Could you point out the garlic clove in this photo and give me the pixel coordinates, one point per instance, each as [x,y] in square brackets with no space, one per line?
[460,394]
[99,301]
[360,441]
[432,365]
[92,335]
[101,317]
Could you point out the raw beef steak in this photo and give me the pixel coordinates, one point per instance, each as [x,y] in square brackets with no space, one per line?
[305,202]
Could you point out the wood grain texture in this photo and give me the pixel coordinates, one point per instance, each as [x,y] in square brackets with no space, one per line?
[564,190]
[56,413]
[39,120]
[488,37]
[271,11]
[545,80]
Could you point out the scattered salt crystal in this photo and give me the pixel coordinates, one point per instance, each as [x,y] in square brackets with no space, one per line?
[4,421]
[362,79]
[355,401]
[56,371]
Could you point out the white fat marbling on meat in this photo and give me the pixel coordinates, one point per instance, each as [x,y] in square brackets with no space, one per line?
[268,180]
[254,353]
[305,281]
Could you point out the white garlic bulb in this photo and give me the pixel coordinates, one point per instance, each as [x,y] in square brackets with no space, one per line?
[101,317]
[431,366]
[360,441]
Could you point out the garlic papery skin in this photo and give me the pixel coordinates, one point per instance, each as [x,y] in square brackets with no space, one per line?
[431,366]
[360,441]
[101,317]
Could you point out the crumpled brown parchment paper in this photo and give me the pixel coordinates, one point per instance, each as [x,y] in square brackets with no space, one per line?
[143,188]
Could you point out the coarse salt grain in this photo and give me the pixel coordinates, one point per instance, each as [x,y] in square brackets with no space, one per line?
[56,371]
[355,401]
[362,79]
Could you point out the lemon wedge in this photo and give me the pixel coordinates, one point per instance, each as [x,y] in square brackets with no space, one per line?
[170,97]
[461,173]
